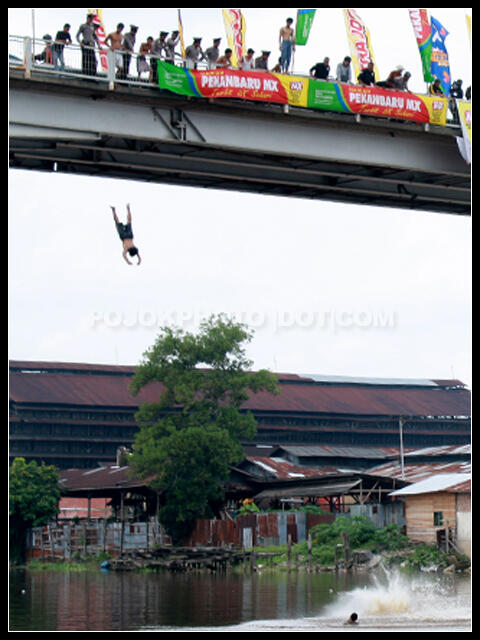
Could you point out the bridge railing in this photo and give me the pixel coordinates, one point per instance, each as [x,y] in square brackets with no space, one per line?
[103,65]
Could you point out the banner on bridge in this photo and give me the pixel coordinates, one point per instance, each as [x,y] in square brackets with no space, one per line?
[301,91]
[374,101]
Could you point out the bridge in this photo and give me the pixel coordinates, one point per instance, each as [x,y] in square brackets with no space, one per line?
[135,131]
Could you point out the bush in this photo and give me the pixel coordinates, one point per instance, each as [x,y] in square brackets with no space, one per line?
[360,529]
[390,538]
[426,555]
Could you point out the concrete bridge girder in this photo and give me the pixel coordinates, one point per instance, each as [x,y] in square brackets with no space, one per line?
[135,135]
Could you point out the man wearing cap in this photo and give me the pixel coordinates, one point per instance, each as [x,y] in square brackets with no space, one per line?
[87,32]
[159,48]
[128,46]
[193,54]
[170,45]
[287,44]
[212,53]
[261,63]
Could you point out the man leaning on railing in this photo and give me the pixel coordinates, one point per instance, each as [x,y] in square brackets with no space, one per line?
[87,31]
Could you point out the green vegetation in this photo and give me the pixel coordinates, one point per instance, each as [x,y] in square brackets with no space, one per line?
[185,453]
[34,495]
[389,542]
[76,565]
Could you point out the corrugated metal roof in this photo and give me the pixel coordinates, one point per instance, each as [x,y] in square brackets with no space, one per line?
[441,450]
[282,469]
[420,382]
[440,482]
[419,472]
[336,488]
[102,385]
[328,451]
[105,477]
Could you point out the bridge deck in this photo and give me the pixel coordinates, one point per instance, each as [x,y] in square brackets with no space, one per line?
[143,133]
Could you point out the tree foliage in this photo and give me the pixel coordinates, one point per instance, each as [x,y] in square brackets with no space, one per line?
[34,497]
[188,439]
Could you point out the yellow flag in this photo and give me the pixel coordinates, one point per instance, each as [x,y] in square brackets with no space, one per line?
[359,40]
[469,27]
[180,33]
[235,28]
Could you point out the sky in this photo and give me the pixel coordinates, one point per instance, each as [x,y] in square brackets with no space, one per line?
[327,288]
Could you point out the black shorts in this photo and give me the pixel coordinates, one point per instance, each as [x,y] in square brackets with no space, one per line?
[124,231]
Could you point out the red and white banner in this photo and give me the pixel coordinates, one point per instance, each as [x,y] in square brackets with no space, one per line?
[101,35]
[235,28]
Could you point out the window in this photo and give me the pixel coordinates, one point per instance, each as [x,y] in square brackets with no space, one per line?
[437,518]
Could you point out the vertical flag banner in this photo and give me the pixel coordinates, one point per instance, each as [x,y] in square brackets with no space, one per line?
[304,24]
[235,28]
[359,40]
[101,35]
[440,67]
[423,33]
[180,33]
[464,109]
[469,27]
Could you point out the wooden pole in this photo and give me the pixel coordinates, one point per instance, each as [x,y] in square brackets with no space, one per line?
[309,547]
[402,464]
[346,546]
[122,518]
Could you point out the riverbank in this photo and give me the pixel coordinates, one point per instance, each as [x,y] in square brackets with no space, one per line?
[273,559]
[344,545]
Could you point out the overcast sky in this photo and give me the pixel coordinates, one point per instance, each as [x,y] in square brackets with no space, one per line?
[328,288]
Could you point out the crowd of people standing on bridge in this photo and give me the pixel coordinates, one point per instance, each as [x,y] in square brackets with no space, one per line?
[164,47]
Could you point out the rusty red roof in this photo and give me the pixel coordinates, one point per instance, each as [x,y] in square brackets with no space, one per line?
[107,386]
[283,469]
[419,471]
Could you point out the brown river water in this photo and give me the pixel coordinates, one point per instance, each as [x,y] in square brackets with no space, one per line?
[263,601]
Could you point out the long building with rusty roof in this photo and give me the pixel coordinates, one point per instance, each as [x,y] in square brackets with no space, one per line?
[77,415]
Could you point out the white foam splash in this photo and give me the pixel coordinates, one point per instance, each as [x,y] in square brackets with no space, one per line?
[397,596]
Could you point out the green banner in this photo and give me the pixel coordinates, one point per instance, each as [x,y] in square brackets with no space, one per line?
[304,24]
[324,95]
[176,79]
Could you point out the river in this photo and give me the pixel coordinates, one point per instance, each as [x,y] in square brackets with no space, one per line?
[264,601]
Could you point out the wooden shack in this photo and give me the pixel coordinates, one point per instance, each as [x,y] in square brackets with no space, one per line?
[437,510]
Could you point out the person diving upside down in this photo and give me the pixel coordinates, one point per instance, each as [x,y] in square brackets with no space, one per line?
[126,236]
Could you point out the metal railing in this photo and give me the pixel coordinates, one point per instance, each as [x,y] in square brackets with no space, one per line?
[102,65]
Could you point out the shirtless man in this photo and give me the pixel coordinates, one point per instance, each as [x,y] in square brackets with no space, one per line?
[287,44]
[115,39]
[126,235]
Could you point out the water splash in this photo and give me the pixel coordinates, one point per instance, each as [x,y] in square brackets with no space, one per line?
[400,597]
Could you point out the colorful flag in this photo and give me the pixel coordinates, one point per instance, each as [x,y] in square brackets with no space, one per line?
[469,27]
[440,66]
[423,34]
[464,109]
[101,35]
[304,24]
[180,33]
[235,28]
[359,41]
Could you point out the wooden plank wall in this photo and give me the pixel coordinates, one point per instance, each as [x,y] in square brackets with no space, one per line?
[419,510]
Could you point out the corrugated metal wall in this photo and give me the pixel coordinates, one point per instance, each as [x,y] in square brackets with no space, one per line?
[256,529]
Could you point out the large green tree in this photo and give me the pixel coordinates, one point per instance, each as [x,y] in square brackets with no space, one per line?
[34,497]
[188,439]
